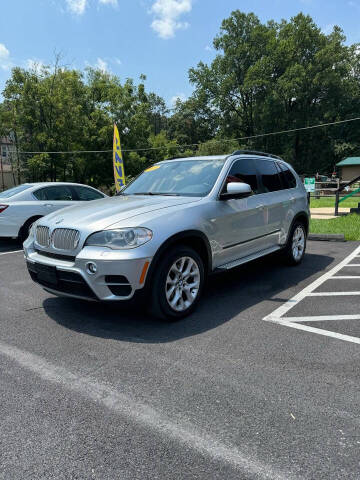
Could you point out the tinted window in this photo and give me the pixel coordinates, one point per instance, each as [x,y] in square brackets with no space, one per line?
[269,175]
[61,192]
[244,171]
[14,191]
[287,178]
[87,194]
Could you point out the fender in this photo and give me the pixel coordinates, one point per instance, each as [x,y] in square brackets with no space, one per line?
[177,238]
[304,216]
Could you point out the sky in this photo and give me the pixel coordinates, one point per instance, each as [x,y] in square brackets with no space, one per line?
[159,38]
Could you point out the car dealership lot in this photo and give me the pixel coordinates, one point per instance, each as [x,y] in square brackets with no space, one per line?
[104,392]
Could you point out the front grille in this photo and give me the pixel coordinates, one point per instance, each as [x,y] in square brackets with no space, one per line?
[57,256]
[65,238]
[42,236]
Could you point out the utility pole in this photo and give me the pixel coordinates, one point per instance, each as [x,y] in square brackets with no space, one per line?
[2,170]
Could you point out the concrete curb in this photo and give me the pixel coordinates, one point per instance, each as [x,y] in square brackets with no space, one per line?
[329,237]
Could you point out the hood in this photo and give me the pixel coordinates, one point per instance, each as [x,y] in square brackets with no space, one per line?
[102,214]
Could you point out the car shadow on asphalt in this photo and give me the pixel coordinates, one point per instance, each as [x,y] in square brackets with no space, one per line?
[226,296]
[8,245]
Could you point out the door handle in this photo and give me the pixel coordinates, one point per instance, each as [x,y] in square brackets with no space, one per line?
[48,205]
[260,207]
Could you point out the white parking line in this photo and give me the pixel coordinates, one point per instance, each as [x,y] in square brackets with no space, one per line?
[122,404]
[322,318]
[344,277]
[278,316]
[331,294]
[320,331]
[9,253]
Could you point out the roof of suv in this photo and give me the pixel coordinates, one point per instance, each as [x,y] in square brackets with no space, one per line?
[225,157]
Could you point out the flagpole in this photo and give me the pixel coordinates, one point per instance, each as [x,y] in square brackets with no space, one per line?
[118,163]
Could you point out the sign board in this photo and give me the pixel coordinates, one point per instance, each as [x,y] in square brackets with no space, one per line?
[309,184]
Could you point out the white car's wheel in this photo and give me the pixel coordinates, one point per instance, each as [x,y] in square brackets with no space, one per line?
[25,229]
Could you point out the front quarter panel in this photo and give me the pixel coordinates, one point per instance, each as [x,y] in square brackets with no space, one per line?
[195,217]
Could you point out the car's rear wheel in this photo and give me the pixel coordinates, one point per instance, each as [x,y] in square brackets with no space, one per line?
[295,249]
[177,284]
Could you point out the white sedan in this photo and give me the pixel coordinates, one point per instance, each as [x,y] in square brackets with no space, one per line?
[21,206]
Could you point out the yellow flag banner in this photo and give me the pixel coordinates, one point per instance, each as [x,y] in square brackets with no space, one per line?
[119,173]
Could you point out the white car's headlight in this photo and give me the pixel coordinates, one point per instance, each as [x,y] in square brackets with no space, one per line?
[120,239]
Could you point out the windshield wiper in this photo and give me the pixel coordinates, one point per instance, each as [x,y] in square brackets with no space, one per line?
[156,193]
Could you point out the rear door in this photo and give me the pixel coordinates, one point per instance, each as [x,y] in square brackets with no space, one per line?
[276,201]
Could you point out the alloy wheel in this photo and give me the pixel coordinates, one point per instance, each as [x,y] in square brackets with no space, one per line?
[298,243]
[182,283]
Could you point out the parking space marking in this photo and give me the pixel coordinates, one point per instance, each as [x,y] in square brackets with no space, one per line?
[9,253]
[331,294]
[322,318]
[344,277]
[319,331]
[120,403]
[278,316]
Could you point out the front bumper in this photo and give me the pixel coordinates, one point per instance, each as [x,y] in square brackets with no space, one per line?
[118,276]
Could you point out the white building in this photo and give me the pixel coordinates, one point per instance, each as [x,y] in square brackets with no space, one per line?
[7,163]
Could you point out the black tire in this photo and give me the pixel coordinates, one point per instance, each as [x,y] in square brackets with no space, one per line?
[288,252]
[25,229]
[159,304]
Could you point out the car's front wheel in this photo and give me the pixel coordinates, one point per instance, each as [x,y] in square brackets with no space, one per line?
[177,284]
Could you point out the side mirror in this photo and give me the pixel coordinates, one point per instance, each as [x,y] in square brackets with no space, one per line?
[236,190]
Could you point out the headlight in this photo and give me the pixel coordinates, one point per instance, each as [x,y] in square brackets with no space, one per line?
[120,239]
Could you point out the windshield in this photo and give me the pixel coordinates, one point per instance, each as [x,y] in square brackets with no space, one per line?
[14,191]
[192,178]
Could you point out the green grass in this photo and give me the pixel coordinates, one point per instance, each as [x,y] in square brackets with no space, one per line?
[330,202]
[348,225]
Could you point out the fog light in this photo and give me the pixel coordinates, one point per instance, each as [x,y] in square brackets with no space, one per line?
[91,268]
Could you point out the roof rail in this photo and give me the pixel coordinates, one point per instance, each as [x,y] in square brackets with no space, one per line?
[254,152]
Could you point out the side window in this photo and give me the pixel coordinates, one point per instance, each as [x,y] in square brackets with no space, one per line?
[40,194]
[87,194]
[244,171]
[61,192]
[269,175]
[287,177]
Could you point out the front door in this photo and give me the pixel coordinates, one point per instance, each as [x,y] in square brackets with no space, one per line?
[54,198]
[239,224]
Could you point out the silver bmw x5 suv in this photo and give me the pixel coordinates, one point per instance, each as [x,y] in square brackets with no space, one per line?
[177,222]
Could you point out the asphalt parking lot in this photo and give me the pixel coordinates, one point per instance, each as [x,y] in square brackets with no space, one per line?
[237,391]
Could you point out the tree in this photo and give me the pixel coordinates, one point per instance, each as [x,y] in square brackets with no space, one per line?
[281,76]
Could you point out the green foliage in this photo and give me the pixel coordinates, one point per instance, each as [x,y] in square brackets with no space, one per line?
[266,77]
[217,146]
[279,76]
[328,202]
[56,109]
[349,225]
